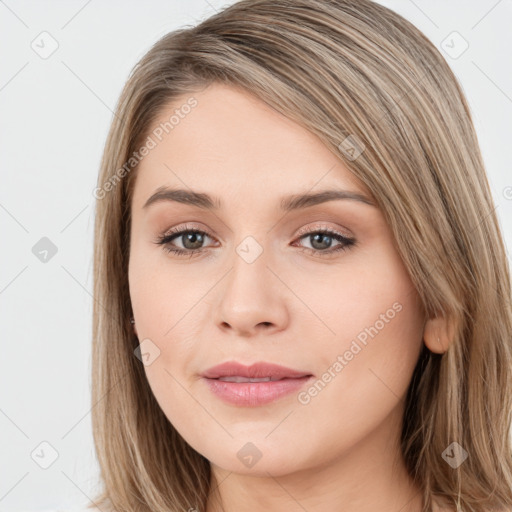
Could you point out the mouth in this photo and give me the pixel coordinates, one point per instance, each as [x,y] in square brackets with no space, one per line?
[261,371]
[254,385]
[237,378]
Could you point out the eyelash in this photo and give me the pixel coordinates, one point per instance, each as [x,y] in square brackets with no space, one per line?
[166,239]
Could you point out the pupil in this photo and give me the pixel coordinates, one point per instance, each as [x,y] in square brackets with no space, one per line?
[320,236]
[196,238]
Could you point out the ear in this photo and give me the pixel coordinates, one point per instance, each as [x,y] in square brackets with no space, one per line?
[132,321]
[439,334]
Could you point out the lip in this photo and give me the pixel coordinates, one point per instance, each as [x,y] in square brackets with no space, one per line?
[250,394]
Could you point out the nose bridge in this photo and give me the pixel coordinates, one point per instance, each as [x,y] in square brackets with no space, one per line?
[250,297]
[249,273]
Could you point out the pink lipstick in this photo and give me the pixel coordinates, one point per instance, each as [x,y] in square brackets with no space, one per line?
[254,385]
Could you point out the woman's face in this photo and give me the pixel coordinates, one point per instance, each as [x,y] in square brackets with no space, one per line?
[267,284]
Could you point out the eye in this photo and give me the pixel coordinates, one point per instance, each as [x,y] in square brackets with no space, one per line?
[322,239]
[192,240]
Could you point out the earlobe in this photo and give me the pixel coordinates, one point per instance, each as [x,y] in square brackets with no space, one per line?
[438,334]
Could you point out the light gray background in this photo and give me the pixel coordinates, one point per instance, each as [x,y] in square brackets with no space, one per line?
[55,113]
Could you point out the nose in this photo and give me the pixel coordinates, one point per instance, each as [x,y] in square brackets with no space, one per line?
[252,299]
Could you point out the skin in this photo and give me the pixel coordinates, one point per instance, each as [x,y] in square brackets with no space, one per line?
[291,306]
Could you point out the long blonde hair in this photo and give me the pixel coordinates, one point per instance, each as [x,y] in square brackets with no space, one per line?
[340,68]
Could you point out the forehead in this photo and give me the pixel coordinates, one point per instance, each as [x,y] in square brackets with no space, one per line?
[230,141]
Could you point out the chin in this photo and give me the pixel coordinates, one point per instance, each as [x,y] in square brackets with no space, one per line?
[256,459]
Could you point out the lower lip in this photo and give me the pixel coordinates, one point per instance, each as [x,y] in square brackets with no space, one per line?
[253,394]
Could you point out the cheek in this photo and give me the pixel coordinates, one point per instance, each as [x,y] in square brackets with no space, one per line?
[365,368]
[163,294]
[367,296]
[367,311]
[166,301]
[365,374]
[381,352]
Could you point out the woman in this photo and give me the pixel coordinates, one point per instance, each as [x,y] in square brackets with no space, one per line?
[302,298]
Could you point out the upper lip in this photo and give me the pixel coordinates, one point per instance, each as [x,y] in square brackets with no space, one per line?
[254,371]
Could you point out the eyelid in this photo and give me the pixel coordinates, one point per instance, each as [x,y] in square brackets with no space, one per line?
[322,227]
[302,231]
[187,227]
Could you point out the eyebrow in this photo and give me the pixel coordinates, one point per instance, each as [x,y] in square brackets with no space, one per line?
[288,203]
